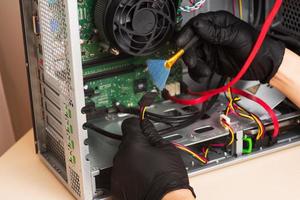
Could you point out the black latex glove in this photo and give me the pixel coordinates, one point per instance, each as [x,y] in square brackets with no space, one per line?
[146,167]
[225,44]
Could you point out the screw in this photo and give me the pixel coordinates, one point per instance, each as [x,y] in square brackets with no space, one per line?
[193,163]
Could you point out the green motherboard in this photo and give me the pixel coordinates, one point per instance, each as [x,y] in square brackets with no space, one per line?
[90,45]
[115,81]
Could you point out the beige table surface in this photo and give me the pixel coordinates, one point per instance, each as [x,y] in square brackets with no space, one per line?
[274,177]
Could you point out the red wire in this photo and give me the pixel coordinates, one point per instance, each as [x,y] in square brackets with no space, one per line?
[218,145]
[233,6]
[241,93]
[264,105]
[209,94]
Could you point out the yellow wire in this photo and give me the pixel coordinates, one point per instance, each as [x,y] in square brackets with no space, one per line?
[143,113]
[231,101]
[253,118]
[191,152]
[229,93]
[241,9]
[231,131]
[245,114]
[260,125]
[232,136]
[206,153]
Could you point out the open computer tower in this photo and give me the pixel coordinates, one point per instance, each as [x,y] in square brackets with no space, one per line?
[86,60]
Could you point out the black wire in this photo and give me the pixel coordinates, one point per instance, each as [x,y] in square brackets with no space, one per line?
[102,131]
[183,120]
[135,111]
[182,125]
[197,115]
[258,13]
[172,117]
[214,99]
[180,121]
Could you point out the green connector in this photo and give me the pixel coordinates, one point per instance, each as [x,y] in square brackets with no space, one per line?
[71,144]
[68,113]
[69,127]
[72,159]
[249,145]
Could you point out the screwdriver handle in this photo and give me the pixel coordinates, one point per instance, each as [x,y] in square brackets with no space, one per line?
[193,41]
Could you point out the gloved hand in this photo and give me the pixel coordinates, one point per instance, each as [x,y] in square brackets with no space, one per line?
[224,45]
[146,167]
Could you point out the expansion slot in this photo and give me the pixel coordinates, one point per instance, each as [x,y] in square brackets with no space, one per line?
[110,73]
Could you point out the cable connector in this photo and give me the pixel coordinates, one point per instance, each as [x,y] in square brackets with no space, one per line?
[225,118]
[151,133]
[148,99]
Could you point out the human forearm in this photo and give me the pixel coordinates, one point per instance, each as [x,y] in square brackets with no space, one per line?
[287,79]
[183,194]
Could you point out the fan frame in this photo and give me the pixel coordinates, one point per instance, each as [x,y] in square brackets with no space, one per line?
[114,41]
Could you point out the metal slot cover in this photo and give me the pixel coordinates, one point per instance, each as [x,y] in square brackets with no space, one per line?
[53,110]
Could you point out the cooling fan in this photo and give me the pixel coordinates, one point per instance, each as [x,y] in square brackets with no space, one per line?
[136,27]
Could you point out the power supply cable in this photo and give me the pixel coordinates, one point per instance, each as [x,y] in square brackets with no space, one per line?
[101,131]
[205,96]
[200,158]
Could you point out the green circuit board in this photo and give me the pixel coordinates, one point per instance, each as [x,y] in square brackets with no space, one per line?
[119,88]
[90,45]
[127,88]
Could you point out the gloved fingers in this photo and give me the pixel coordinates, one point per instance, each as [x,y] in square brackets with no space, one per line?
[218,18]
[190,57]
[215,34]
[227,65]
[132,132]
[209,31]
[152,134]
[196,60]
[200,72]
[135,132]
[184,36]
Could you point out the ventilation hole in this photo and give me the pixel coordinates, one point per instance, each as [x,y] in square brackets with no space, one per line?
[86,142]
[56,148]
[87,157]
[203,129]
[75,182]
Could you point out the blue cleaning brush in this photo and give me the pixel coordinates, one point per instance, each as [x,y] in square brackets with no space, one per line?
[160,69]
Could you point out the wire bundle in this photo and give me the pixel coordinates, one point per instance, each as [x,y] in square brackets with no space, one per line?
[235,108]
[205,96]
[144,113]
[195,5]
[230,129]
[201,158]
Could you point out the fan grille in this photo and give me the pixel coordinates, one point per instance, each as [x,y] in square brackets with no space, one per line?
[140,27]
[291,15]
